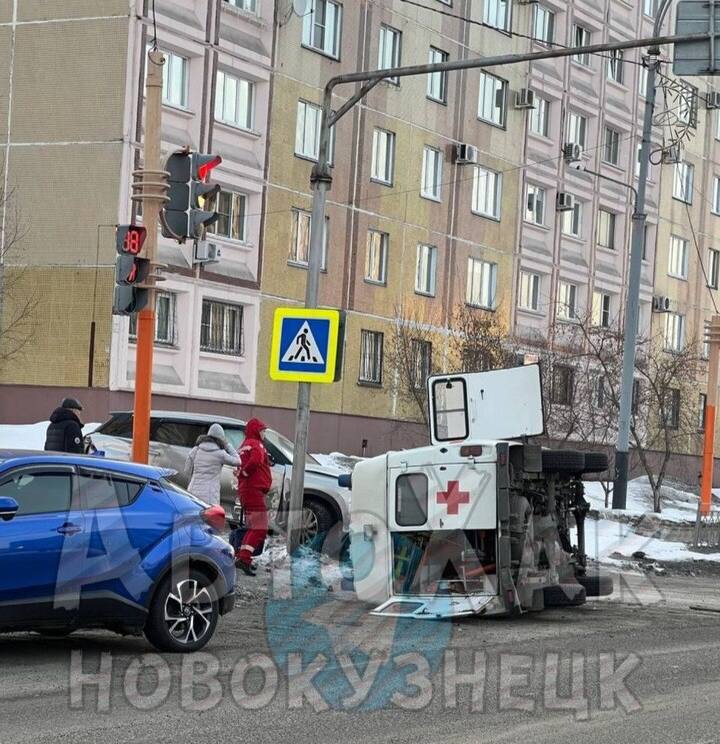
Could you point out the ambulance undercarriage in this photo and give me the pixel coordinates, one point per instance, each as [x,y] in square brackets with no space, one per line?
[471,525]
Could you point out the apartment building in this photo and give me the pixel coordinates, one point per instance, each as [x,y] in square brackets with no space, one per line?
[73,129]
[411,229]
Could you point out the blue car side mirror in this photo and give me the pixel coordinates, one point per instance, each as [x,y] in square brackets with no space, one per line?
[345,480]
[8,508]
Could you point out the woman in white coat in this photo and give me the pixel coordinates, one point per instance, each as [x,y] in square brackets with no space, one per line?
[205,462]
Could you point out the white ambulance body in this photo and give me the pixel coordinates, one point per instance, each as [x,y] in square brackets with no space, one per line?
[479,522]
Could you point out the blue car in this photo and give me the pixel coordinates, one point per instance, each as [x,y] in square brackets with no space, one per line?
[92,543]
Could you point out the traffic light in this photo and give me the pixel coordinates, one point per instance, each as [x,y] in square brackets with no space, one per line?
[130,270]
[184,213]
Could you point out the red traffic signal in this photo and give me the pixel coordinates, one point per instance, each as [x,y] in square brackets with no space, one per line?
[204,164]
[130,239]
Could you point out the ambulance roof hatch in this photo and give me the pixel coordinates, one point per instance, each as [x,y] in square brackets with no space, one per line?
[500,404]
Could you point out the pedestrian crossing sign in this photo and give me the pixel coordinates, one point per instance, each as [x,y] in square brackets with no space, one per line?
[305,345]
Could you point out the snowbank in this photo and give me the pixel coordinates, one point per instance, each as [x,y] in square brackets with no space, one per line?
[29,436]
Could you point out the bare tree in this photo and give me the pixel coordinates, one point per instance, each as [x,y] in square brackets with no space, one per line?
[665,399]
[412,357]
[17,303]
[478,341]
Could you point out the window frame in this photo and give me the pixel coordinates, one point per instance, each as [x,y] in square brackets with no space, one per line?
[309,29]
[683,182]
[225,349]
[395,52]
[674,332]
[437,183]
[489,283]
[434,76]
[389,159]
[532,212]
[235,196]
[491,13]
[430,272]
[547,37]
[251,94]
[713,273]
[611,222]
[579,30]
[495,197]
[498,93]
[172,323]
[542,107]
[529,289]
[612,147]
[67,470]
[377,349]
[295,235]
[566,310]
[675,241]
[384,248]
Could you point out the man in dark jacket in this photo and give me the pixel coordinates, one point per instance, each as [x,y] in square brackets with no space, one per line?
[254,482]
[65,431]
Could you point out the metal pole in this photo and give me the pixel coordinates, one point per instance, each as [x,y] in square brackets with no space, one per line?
[632,307]
[713,338]
[151,211]
[321,181]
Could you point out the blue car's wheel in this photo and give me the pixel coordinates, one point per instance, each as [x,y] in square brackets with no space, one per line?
[183,614]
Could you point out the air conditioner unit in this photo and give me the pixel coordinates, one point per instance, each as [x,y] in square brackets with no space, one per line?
[206,252]
[525,99]
[572,152]
[712,100]
[661,304]
[672,155]
[466,154]
[565,202]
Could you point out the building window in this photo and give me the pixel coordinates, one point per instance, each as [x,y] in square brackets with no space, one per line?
[717,126]
[615,66]
[601,309]
[376,256]
[713,268]
[300,247]
[371,357]
[687,105]
[683,182]
[611,146]
[421,362]
[231,208]
[175,80]
[383,156]
[535,205]
[437,81]
[637,163]
[487,192]
[492,102]
[249,5]
[221,328]
[649,8]
[702,405]
[678,258]
[321,27]
[674,331]
[544,24]
[581,38]
[389,51]
[642,82]
[529,298]
[563,384]
[636,391]
[481,283]
[572,221]
[577,129]
[425,269]
[431,173]
[234,101]
[601,392]
[539,117]
[567,301]
[716,195]
[496,13]
[606,229]
[165,314]
[307,132]
[671,408]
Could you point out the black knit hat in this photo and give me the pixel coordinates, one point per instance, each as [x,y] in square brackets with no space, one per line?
[71,403]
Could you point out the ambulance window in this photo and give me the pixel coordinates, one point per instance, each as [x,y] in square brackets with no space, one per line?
[411,500]
[450,402]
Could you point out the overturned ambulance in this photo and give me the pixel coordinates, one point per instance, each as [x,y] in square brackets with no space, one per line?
[481,522]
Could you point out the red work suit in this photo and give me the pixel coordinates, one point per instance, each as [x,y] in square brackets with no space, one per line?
[254,482]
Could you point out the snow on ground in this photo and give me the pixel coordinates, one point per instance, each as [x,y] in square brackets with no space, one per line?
[605,537]
[29,436]
[677,505]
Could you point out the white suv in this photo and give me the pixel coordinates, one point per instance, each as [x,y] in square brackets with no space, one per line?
[173,434]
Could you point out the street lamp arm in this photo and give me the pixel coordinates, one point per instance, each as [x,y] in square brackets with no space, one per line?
[613,180]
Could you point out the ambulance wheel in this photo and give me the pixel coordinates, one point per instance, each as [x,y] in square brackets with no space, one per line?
[564,595]
[596,462]
[596,584]
[563,461]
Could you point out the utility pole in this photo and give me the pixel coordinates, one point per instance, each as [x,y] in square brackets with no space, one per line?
[321,182]
[632,306]
[712,336]
[153,195]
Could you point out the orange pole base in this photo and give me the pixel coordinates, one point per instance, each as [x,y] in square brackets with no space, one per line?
[143,386]
[708,461]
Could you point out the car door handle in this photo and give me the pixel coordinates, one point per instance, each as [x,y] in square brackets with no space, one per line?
[69,528]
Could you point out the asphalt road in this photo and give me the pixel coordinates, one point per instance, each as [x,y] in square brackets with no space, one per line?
[667,691]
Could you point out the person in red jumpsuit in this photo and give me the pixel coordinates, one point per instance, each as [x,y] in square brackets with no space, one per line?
[254,482]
